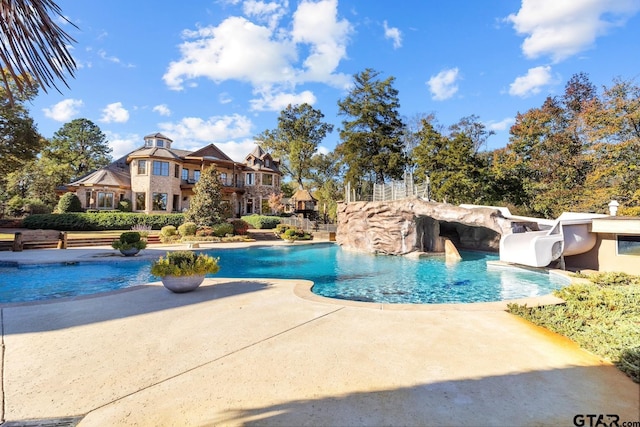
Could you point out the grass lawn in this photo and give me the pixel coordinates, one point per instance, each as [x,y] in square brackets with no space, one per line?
[602,315]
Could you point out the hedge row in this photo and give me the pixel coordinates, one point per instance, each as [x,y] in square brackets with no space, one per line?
[262,221]
[100,221]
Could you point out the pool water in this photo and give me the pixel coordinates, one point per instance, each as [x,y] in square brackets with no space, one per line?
[336,273]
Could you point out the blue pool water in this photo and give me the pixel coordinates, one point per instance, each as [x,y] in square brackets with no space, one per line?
[335,272]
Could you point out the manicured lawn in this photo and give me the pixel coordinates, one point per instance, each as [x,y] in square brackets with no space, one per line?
[602,315]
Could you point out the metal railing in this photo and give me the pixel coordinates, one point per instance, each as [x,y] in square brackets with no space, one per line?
[308,225]
[395,190]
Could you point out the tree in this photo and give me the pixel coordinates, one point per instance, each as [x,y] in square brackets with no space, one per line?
[69,202]
[451,164]
[296,139]
[34,49]
[78,148]
[474,129]
[206,208]
[19,139]
[372,131]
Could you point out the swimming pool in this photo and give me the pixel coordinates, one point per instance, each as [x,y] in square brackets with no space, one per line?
[336,273]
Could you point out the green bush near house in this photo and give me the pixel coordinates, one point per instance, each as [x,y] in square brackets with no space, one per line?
[240,227]
[69,202]
[169,234]
[262,221]
[100,221]
[221,230]
[602,316]
[188,229]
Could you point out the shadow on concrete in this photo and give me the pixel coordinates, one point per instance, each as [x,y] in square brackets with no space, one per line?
[540,398]
[134,301]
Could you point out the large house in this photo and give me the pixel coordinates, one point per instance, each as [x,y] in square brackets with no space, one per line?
[158,178]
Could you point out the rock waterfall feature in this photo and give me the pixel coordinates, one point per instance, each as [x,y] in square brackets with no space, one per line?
[414,225]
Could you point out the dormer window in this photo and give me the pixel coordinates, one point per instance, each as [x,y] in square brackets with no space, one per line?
[155,141]
[266,163]
[159,143]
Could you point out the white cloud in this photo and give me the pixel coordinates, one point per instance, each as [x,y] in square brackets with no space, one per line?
[561,28]
[532,82]
[443,85]
[501,125]
[114,113]
[270,101]
[225,98]
[239,49]
[394,34]
[162,109]
[123,144]
[269,12]
[64,110]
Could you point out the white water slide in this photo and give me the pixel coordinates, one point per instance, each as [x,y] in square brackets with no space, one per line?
[567,235]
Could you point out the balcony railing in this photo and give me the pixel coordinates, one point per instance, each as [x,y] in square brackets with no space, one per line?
[236,183]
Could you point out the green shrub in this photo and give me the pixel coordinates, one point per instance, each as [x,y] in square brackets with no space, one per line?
[128,240]
[184,263]
[35,206]
[262,221]
[69,202]
[240,227]
[603,317]
[205,232]
[169,234]
[221,230]
[188,229]
[281,228]
[101,221]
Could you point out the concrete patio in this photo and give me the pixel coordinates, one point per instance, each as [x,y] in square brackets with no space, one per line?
[268,352]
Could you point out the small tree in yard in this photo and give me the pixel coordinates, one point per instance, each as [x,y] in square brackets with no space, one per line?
[275,202]
[206,207]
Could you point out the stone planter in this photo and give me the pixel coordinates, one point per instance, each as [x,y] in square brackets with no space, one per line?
[181,284]
[129,252]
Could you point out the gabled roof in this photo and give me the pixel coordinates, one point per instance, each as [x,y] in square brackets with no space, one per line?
[261,155]
[158,135]
[210,152]
[115,174]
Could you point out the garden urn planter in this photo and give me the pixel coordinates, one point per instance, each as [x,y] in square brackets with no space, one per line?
[181,284]
[129,251]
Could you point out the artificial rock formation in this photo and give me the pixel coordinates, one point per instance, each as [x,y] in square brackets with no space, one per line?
[403,226]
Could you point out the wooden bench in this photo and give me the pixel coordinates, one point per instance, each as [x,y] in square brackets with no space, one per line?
[39,236]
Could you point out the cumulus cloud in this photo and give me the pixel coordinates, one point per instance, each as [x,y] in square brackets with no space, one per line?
[394,34]
[443,85]
[269,101]
[532,82]
[114,113]
[162,109]
[64,110]
[561,29]
[242,48]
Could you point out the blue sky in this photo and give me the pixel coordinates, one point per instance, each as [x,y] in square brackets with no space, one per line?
[220,71]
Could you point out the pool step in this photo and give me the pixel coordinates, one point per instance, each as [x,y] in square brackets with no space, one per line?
[6,245]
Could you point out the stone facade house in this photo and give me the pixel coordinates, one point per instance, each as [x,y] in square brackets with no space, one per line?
[158,178]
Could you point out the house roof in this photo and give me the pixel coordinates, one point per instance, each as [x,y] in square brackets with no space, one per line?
[302,195]
[115,174]
[158,135]
[159,152]
[210,152]
[261,155]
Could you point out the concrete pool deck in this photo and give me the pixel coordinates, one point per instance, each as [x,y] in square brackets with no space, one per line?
[266,352]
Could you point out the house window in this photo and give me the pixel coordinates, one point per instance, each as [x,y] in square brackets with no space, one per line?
[176,171]
[148,143]
[196,176]
[267,179]
[249,180]
[142,167]
[223,179]
[267,163]
[160,168]
[87,199]
[185,174]
[249,206]
[159,143]
[159,201]
[141,201]
[105,200]
[628,245]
